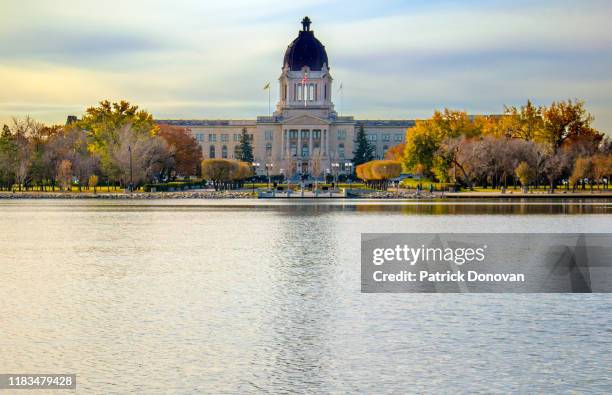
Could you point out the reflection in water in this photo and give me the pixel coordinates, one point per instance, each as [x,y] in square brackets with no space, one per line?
[241,296]
[306,248]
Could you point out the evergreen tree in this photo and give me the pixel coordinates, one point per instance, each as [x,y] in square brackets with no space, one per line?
[364,151]
[245,149]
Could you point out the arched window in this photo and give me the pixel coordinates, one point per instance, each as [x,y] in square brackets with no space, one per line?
[212,152]
[224,152]
[269,149]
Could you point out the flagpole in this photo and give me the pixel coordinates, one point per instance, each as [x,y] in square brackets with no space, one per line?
[269,102]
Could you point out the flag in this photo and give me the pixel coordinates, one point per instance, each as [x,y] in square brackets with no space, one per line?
[267,86]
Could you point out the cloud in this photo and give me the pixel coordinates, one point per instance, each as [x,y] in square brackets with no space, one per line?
[397,59]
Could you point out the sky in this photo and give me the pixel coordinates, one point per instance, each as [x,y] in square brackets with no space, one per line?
[211,59]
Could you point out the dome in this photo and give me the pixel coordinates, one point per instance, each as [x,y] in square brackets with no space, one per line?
[305,50]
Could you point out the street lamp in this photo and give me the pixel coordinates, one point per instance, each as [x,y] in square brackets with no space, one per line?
[349,165]
[255,166]
[335,167]
[269,166]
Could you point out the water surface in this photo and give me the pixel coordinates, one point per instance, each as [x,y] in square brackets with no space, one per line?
[248,296]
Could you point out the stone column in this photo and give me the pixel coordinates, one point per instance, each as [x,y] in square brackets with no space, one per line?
[326,142]
[310,143]
[283,131]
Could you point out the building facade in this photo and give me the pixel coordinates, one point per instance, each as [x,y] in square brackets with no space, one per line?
[305,135]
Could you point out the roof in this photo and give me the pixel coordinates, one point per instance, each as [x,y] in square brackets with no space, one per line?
[405,123]
[305,50]
[206,122]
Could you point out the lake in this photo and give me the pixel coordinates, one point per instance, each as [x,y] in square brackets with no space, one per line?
[239,296]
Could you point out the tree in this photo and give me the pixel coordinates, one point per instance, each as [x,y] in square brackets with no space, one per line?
[104,123]
[602,169]
[379,171]
[364,152]
[566,120]
[555,164]
[422,143]
[93,182]
[64,174]
[185,149]
[71,143]
[150,157]
[525,123]
[525,173]
[316,163]
[8,158]
[222,171]
[583,168]
[245,150]
[396,152]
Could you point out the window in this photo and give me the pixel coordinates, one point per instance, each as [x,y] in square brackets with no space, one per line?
[212,152]
[199,136]
[341,134]
[386,137]
[305,133]
[293,148]
[224,152]
[250,137]
[397,137]
[237,136]
[385,148]
[316,134]
[293,134]
[268,135]
[298,92]
[212,137]
[284,91]
[304,150]
[341,151]
[236,152]
[372,137]
[268,149]
[325,91]
[225,137]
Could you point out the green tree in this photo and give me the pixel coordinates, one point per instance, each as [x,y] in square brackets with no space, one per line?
[104,124]
[430,144]
[422,143]
[364,151]
[8,158]
[245,149]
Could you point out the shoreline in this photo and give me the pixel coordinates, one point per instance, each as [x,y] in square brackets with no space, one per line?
[378,195]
